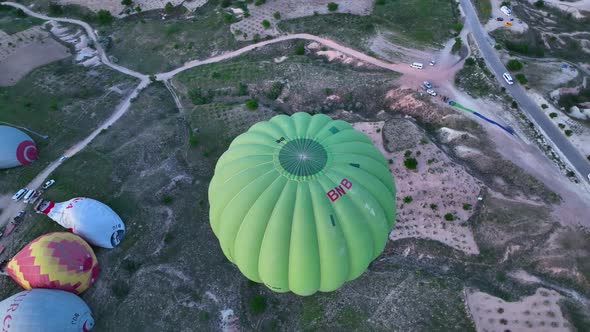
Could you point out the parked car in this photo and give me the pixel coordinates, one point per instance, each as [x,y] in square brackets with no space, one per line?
[427,85]
[433,62]
[63,158]
[36,196]
[19,216]
[508,78]
[19,194]
[28,196]
[499,19]
[48,184]
[431,92]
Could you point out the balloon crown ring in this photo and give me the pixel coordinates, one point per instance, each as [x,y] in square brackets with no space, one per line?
[301,159]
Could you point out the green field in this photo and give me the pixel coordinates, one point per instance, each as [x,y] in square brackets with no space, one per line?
[147,44]
[63,101]
[415,23]
[304,82]
[13,20]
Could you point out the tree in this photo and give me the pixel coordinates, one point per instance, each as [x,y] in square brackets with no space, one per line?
[300,49]
[104,17]
[411,163]
[266,24]
[552,115]
[514,65]
[277,15]
[127,3]
[408,199]
[539,3]
[522,79]
[544,106]
[168,8]
[457,45]
[470,61]
[449,217]
[569,133]
[251,104]
[332,6]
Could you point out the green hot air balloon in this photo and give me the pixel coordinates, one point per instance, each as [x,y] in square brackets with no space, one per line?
[302,203]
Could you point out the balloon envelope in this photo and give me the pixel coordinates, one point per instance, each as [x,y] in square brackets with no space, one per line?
[45,310]
[302,203]
[56,261]
[92,220]
[16,148]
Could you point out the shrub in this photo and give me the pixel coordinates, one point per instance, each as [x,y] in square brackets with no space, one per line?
[470,61]
[569,133]
[104,17]
[458,27]
[561,125]
[275,91]
[498,46]
[167,200]
[449,217]
[251,104]
[466,206]
[514,65]
[198,98]
[242,89]
[552,115]
[434,207]
[332,6]
[411,163]
[258,304]
[266,24]
[522,79]
[259,2]
[408,153]
[544,106]
[55,9]
[408,199]
[514,105]
[277,15]
[539,3]
[127,2]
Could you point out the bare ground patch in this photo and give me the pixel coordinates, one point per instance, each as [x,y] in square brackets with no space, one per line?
[538,312]
[435,200]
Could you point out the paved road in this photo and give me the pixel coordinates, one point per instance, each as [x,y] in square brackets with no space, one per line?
[551,131]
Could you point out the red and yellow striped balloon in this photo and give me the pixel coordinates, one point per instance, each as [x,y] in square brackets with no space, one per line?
[57,261]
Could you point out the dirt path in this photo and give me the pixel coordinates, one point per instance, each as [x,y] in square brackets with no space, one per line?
[398,67]
[89,31]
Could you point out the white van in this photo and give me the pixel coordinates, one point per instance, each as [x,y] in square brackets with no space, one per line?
[19,194]
[29,195]
[417,65]
[508,78]
[506,10]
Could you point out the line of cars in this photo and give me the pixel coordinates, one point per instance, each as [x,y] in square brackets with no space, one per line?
[30,196]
